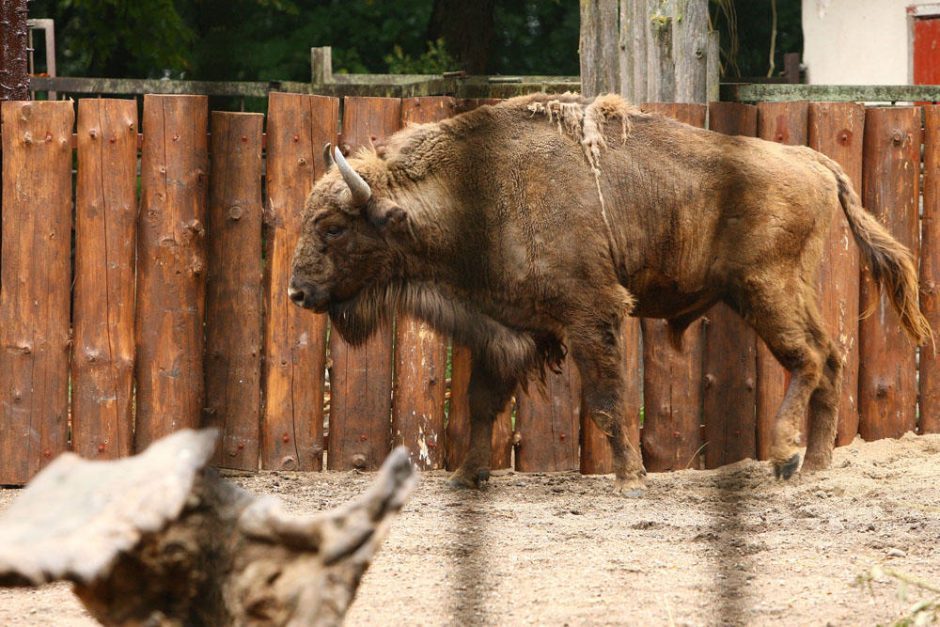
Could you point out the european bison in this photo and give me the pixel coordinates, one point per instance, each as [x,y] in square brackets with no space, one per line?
[534,226]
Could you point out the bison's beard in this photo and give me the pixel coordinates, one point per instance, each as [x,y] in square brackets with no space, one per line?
[511,354]
[358,318]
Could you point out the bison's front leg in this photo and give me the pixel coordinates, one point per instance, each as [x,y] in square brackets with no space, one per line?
[598,349]
[488,397]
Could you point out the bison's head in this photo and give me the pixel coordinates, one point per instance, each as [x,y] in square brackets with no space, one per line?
[346,243]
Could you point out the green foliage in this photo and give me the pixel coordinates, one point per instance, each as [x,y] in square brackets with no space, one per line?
[745,29]
[435,60]
[118,37]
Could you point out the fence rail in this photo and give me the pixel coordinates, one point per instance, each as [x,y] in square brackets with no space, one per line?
[199,330]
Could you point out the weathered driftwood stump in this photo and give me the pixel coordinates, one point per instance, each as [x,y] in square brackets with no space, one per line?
[160,539]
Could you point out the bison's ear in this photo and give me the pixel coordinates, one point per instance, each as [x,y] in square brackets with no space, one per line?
[385,214]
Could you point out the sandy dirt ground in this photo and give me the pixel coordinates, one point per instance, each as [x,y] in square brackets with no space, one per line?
[725,547]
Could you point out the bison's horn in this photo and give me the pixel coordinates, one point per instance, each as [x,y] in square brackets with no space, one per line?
[328,154]
[361,192]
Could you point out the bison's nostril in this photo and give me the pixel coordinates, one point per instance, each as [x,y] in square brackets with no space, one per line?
[296,295]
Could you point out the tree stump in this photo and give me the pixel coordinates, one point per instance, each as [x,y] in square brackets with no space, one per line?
[160,539]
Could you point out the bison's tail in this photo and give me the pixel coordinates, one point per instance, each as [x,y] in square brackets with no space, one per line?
[890,262]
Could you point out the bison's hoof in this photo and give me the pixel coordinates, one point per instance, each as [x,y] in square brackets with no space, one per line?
[630,488]
[469,481]
[812,463]
[785,470]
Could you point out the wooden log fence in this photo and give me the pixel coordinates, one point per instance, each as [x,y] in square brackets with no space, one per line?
[199,331]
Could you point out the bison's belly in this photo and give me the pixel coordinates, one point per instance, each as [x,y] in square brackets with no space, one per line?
[658,296]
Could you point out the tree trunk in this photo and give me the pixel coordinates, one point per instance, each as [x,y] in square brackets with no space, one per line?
[14,79]
[468,29]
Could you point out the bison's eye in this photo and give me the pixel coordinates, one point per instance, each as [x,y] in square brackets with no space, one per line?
[334,230]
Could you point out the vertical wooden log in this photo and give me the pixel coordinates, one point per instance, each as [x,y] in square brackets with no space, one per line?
[420,352]
[458,420]
[294,339]
[233,289]
[171,266]
[36,279]
[637,50]
[105,243]
[730,360]
[361,377]
[661,71]
[836,130]
[930,272]
[690,50]
[785,123]
[626,53]
[599,46]
[713,71]
[596,456]
[548,422]
[887,396]
[672,380]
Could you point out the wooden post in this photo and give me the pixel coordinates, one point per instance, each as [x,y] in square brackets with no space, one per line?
[785,123]
[661,71]
[361,377]
[105,244]
[36,279]
[887,396]
[672,380]
[930,272]
[458,420]
[599,45]
[420,352]
[171,266]
[294,339]
[14,50]
[234,289]
[836,130]
[548,422]
[690,50]
[729,397]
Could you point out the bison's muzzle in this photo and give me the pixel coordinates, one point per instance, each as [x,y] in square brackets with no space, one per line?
[308,296]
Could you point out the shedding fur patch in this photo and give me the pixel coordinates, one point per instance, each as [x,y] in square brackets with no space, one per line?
[585,123]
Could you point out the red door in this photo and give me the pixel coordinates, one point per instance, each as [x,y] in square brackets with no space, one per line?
[927,50]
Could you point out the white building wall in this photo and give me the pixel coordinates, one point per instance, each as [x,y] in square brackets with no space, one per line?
[857,42]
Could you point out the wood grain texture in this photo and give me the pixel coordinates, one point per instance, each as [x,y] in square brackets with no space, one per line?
[729,397]
[171,266]
[420,352]
[103,312]
[784,123]
[930,272]
[548,422]
[294,339]
[599,47]
[690,50]
[36,279]
[887,387]
[361,377]
[672,380]
[837,130]
[457,441]
[234,289]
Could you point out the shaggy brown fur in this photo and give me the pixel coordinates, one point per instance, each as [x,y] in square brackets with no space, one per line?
[537,224]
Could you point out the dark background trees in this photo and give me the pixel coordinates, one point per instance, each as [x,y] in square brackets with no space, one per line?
[271,39]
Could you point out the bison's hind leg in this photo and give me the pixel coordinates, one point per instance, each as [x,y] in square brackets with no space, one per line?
[823,413]
[782,309]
